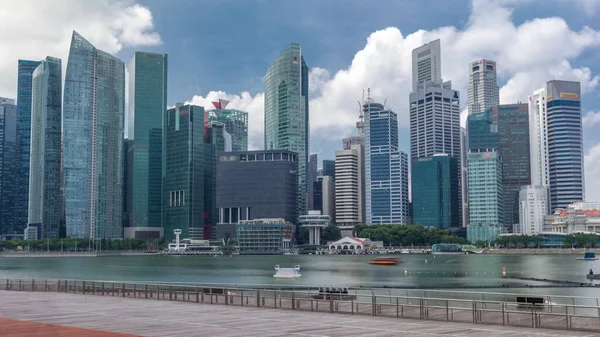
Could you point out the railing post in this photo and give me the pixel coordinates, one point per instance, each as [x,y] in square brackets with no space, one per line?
[293,300]
[123,288]
[158,292]
[20,284]
[45,285]
[146,291]
[102,288]
[447,315]
[170,292]
[197,293]
[32,284]
[134,294]
[113,289]
[258,297]
[374,304]
[84,287]
[226,296]
[503,320]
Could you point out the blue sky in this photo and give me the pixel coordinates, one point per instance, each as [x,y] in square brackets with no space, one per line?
[223,49]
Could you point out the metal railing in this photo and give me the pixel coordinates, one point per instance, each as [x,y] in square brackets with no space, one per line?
[428,306]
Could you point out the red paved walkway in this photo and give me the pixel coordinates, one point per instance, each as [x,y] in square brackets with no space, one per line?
[16,328]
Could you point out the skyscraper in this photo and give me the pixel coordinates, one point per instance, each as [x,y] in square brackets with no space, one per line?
[313,163]
[93,125]
[24,79]
[538,138]
[349,186]
[533,207]
[483,91]
[565,143]
[147,103]
[235,124]
[386,168]
[45,177]
[286,111]
[426,64]
[9,229]
[329,167]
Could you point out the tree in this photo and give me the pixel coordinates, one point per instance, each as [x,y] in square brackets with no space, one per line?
[331,233]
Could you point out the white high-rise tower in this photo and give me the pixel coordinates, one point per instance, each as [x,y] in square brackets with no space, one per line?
[483,91]
[538,138]
[426,64]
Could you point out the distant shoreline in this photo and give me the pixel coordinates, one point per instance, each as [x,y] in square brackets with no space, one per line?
[71,254]
[542,251]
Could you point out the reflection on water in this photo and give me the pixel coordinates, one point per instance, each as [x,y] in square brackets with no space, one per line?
[342,270]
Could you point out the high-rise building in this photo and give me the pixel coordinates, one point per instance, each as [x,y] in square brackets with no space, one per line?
[93,128]
[464,204]
[24,79]
[324,196]
[483,91]
[538,138]
[565,143]
[45,194]
[313,163]
[235,123]
[513,133]
[184,176]
[386,168]
[426,64]
[533,205]
[435,191]
[9,160]
[329,167]
[349,187]
[286,111]
[147,103]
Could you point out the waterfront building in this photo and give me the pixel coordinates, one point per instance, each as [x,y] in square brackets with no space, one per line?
[483,91]
[426,64]
[22,151]
[9,162]
[565,143]
[264,236]
[486,198]
[93,128]
[45,170]
[312,178]
[533,207]
[513,139]
[435,191]
[147,103]
[286,112]
[256,185]
[33,232]
[315,222]
[578,217]
[352,243]
[349,186]
[483,232]
[235,123]
[386,168]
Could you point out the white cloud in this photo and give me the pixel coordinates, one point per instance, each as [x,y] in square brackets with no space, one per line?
[591,118]
[592,174]
[35,29]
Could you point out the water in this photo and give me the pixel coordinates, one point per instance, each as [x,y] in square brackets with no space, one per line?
[316,270]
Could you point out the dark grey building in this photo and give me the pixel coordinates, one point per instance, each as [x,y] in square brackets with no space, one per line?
[329,167]
[256,185]
[9,228]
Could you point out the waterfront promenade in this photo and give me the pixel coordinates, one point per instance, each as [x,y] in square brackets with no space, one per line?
[141,317]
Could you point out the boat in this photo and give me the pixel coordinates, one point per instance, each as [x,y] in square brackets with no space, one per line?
[447,248]
[287,273]
[592,276]
[384,261]
[588,256]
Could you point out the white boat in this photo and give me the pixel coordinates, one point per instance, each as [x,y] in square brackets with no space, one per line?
[290,273]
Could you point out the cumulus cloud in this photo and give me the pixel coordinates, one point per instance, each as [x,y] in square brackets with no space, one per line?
[591,118]
[34,29]
[592,174]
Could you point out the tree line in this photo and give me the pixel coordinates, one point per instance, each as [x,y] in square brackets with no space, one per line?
[407,235]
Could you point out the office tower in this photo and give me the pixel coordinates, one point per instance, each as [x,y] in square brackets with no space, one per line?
[312,178]
[435,191]
[328,196]
[533,207]
[349,187]
[329,167]
[538,138]
[484,173]
[426,64]
[184,175]
[128,232]
[147,103]
[24,78]
[483,91]
[286,111]
[93,127]
[513,134]
[565,143]
[9,162]
[235,124]
[256,185]
[464,205]
[216,140]
[45,194]
[386,168]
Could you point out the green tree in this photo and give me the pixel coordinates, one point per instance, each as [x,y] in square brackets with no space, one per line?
[331,233]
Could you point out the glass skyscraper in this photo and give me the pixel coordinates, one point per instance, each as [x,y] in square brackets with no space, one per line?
[8,171]
[235,124]
[45,195]
[286,111]
[24,79]
[147,104]
[93,125]
[386,168]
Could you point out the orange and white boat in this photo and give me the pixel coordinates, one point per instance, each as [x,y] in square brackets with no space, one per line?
[384,261]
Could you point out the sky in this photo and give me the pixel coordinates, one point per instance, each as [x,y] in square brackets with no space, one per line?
[222,49]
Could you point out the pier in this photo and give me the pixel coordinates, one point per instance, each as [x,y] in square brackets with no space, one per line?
[168,308]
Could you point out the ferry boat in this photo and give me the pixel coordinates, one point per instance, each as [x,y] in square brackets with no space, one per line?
[384,261]
[289,273]
[447,248]
[588,256]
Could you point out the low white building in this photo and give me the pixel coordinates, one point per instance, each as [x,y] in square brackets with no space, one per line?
[348,243]
[579,217]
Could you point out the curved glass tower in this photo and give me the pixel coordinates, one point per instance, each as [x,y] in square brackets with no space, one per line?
[93,121]
[286,112]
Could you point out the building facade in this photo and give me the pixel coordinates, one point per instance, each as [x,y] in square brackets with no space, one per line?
[533,207]
[565,143]
[45,171]
[426,64]
[315,222]
[483,232]
[264,236]
[486,198]
[313,165]
[386,168]
[483,91]
[9,162]
[538,138]
[24,87]
[329,167]
[147,104]
[235,123]
[435,191]
[578,217]
[349,186]
[93,128]
[286,111]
